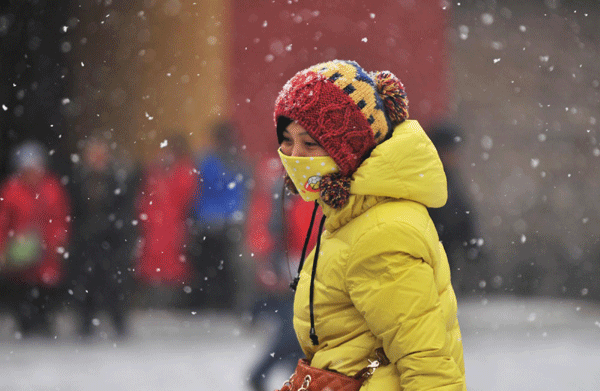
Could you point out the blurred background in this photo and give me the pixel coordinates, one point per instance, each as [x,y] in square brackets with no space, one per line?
[144,239]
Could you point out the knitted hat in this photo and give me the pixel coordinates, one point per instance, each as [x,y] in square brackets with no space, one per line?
[345,109]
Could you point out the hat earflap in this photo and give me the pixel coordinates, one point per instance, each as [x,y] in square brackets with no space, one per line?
[289,185]
[335,190]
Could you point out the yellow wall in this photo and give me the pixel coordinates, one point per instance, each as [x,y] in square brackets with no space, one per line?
[149,68]
[187,85]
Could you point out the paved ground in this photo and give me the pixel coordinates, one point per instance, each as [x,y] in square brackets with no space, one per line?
[509,344]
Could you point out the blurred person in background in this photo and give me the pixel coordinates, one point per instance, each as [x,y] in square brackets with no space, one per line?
[103,236]
[276,226]
[219,212]
[456,221]
[34,231]
[163,207]
[376,290]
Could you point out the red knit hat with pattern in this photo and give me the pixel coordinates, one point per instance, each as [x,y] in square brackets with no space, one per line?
[345,109]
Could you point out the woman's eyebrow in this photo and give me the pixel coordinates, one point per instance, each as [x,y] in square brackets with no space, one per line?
[303,133]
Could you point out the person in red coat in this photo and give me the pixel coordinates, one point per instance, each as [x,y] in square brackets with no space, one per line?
[34,231]
[163,205]
[276,233]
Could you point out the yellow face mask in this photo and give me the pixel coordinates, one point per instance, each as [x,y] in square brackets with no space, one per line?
[306,173]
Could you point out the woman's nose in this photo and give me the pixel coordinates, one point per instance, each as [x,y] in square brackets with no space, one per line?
[297,150]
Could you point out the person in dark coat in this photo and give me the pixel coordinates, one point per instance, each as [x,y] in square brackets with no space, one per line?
[103,240]
[456,221]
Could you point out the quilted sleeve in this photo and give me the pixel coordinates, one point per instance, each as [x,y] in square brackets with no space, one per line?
[391,282]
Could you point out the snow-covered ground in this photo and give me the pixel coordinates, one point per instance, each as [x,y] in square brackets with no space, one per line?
[510,344]
[534,344]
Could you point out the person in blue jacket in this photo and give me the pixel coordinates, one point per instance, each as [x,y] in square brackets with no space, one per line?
[219,212]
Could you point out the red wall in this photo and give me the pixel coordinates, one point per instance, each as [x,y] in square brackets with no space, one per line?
[272,40]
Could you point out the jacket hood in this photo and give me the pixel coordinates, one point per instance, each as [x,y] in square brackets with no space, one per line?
[406,166]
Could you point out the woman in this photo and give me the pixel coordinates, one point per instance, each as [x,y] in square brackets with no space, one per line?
[35,228]
[377,284]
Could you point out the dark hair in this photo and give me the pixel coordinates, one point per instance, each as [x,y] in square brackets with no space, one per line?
[224,134]
[282,124]
[445,136]
[179,144]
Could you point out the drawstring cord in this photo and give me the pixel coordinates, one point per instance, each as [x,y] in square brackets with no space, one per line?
[294,283]
[313,333]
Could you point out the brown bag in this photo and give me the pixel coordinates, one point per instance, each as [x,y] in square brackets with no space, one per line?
[307,378]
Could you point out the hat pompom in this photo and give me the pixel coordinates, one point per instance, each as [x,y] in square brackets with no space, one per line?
[335,190]
[391,90]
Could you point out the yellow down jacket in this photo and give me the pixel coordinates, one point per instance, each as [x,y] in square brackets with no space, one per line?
[382,277]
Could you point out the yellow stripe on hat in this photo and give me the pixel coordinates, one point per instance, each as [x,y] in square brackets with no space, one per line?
[356,84]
